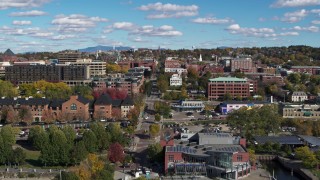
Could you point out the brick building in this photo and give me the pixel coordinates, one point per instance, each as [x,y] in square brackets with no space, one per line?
[208,154]
[132,64]
[76,108]
[170,63]
[52,73]
[68,56]
[314,70]
[236,87]
[103,107]
[242,64]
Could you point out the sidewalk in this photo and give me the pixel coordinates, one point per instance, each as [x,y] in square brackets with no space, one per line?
[259,174]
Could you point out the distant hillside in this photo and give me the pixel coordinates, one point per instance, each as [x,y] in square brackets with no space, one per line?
[104,48]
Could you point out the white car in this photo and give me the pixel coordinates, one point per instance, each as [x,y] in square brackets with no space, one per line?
[22,132]
[102,120]
[1,125]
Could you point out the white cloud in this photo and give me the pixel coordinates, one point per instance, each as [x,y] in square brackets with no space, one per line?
[28,13]
[21,23]
[147,30]
[168,10]
[76,22]
[5,4]
[316,11]
[309,29]
[296,16]
[294,3]
[123,25]
[257,32]
[212,20]
[315,22]
[137,39]
[150,30]
[107,42]
[63,37]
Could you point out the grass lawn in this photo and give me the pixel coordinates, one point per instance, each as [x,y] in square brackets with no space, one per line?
[31,157]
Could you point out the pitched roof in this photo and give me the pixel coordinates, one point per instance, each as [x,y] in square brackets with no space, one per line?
[33,101]
[299,93]
[104,99]
[127,102]
[83,100]
[56,103]
[116,102]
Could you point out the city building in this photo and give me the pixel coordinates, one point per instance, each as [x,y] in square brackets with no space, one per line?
[126,105]
[188,105]
[103,107]
[176,70]
[298,96]
[130,82]
[96,68]
[76,108]
[242,65]
[151,63]
[52,73]
[235,87]
[172,63]
[311,111]
[3,66]
[272,79]
[208,154]
[176,80]
[229,106]
[68,56]
[314,70]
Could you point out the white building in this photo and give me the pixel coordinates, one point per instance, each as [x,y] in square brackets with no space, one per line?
[3,66]
[175,80]
[175,70]
[96,68]
[299,96]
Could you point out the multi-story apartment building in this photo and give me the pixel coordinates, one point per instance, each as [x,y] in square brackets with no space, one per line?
[69,56]
[170,63]
[176,80]
[74,108]
[52,73]
[3,66]
[242,64]
[207,154]
[145,63]
[130,82]
[96,68]
[272,79]
[236,87]
[314,70]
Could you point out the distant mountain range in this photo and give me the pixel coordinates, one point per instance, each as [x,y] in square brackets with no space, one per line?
[104,48]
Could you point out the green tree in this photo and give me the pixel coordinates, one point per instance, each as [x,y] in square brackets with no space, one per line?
[155,152]
[157,117]
[90,141]
[294,78]
[19,156]
[154,129]
[38,137]
[308,157]
[252,156]
[79,152]
[103,137]
[7,89]
[67,176]
[84,91]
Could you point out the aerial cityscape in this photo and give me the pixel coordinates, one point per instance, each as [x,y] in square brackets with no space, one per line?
[135,90]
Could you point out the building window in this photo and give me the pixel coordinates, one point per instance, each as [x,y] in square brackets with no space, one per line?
[239,158]
[73,107]
[171,158]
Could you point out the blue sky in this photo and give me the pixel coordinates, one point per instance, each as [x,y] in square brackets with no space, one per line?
[53,25]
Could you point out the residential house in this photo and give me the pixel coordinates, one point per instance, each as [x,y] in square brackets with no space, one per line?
[103,107]
[298,96]
[176,80]
[76,108]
